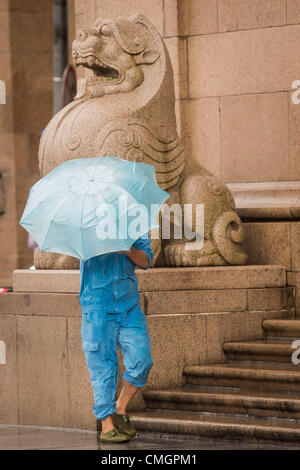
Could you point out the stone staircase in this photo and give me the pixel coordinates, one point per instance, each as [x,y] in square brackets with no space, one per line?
[254,395]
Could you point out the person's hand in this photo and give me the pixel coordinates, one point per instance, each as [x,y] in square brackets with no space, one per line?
[138,257]
[125,252]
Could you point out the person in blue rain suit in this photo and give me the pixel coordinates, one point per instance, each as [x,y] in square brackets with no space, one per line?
[111,318]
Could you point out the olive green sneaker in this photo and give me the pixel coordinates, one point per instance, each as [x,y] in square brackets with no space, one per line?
[114,435]
[124,424]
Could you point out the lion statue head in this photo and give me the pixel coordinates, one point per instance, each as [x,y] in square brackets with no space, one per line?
[114,51]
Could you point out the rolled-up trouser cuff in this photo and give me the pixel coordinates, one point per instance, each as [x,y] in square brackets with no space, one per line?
[101,413]
[133,381]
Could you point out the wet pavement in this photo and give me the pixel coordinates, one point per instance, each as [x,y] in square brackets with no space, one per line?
[42,438]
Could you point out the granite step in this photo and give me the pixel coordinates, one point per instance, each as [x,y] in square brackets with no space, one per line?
[258,376]
[226,401]
[192,424]
[260,350]
[282,328]
[158,279]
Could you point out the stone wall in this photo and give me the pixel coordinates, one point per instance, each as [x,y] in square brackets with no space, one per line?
[71,27]
[8,251]
[276,242]
[26,68]
[235,62]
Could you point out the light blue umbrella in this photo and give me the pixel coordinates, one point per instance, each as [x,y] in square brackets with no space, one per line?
[91,206]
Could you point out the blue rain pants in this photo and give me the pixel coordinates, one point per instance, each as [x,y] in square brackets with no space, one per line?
[102,332]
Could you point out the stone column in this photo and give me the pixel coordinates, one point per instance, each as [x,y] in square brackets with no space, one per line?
[26,41]
[8,249]
[60,51]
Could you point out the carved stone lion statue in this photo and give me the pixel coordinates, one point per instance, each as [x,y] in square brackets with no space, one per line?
[126,107]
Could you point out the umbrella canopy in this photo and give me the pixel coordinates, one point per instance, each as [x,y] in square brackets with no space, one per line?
[91,206]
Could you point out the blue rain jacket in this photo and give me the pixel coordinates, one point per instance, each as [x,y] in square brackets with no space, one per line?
[108,282]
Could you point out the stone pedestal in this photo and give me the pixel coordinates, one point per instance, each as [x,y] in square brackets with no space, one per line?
[190,312]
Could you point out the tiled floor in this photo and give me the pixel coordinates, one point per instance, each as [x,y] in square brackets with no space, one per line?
[27,437]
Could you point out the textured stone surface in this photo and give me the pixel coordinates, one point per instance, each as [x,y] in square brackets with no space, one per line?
[229,58]
[236,326]
[293,11]
[220,327]
[4,30]
[225,401]
[295,246]
[42,371]
[158,279]
[5,304]
[198,17]
[153,10]
[85,11]
[268,243]
[256,379]
[80,389]
[189,294]
[171,17]
[26,68]
[43,304]
[30,6]
[182,111]
[282,327]
[7,226]
[270,299]
[55,304]
[37,438]
[67,281]
[28,25]
[189,424]
[217,277]
[293,279]
[177,48]
[190,17]
[254,321]
[277,377]
[294,140]
[205,133]
[264,350]
[37,71]
[8,376]
[255,145]
[242,14]
[4,6]
[172,302]
[171,350]
[267,200]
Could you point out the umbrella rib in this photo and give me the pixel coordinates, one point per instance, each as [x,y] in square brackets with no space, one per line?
[60,206]
[127,192]
[83,202]
[136,175]
[123,189]
[83,168]
[124,172]
[132,198]
[97,164]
